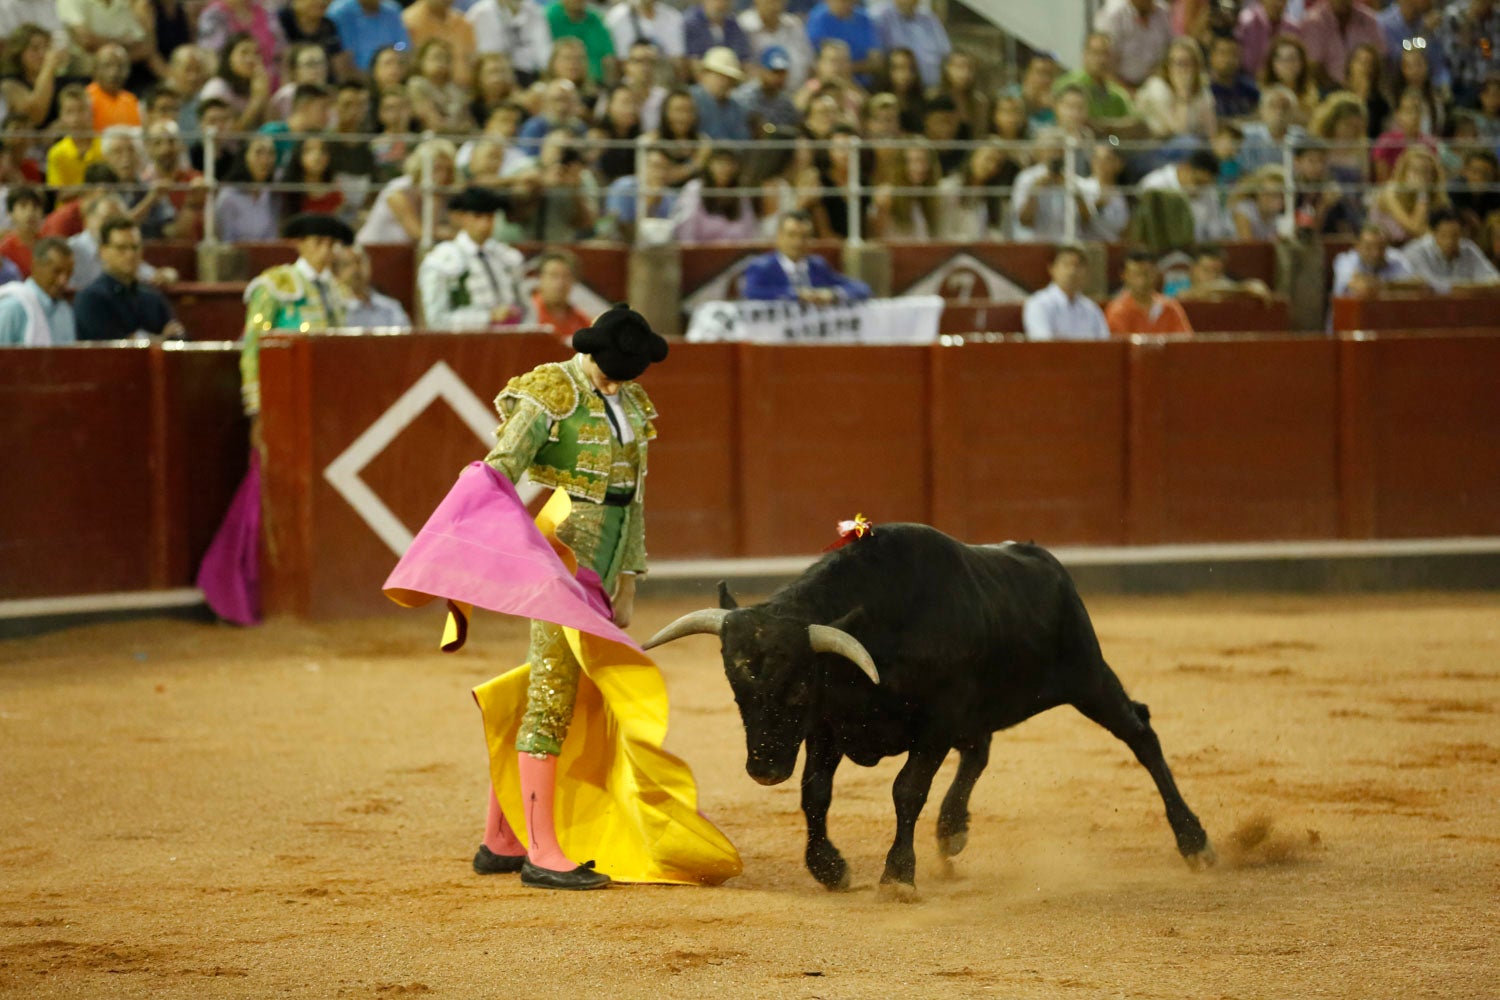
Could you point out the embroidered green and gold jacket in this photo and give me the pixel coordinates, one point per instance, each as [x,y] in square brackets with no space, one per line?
[553,426]
[282,298]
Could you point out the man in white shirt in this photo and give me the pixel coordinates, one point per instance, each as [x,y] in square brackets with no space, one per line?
[34,313]
[768,24]
[1141,31]
[517,28]
[1445,259]
[1039,200]
[1061,311]
[93,24]
[42,13]
[1196,179]
[364,306]
[1372,257]
[630,21]
[472,282]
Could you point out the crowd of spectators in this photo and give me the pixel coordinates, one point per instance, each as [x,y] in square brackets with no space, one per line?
[1264,118]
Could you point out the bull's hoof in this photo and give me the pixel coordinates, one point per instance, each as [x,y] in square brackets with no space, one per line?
[1203,859]
[832,872]
[953,844]
[898,892]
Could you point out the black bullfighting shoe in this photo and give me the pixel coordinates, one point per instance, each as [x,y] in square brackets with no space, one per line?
[487,862]
[582,877]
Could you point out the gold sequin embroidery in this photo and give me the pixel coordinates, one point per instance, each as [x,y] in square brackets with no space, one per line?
[551,692]
[548,386]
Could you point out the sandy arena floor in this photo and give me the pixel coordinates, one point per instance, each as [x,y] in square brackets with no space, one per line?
[194,811]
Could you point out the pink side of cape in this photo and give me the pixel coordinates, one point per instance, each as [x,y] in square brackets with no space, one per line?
[481,547]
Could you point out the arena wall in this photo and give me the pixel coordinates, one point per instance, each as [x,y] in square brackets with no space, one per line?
[120,461]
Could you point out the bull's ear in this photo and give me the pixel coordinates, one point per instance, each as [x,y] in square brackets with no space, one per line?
[726,599]
[847,621]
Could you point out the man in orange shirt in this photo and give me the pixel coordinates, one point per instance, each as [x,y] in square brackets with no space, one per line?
[112,103]
[555,274]
[1140,308]
[437,19]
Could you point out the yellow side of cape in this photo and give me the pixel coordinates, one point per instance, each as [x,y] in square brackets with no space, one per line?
[621,799]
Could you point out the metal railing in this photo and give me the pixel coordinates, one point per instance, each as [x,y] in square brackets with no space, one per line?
[855,192]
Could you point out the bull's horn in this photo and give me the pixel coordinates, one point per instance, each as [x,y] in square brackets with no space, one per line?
[709,620]
[827,639]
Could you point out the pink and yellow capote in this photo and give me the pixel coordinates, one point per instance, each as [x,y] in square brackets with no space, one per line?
[621,798]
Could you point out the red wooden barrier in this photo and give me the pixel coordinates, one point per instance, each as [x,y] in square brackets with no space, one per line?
[693,505]
[323,555]
[1028,442]
[118,463]
[1233,440]
[179,254]
[1022,264]
[1243,315]
[1420,435]
[210,310]
[983,316]
[205,446]
[826,432]
[77,486]
[1477,308]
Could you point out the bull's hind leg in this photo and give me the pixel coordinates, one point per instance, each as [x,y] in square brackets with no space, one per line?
[1129,720]
[953,817]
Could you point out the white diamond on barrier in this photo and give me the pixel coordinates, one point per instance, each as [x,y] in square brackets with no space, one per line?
[343,473]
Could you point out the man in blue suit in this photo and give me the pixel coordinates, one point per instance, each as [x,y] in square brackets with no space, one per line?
[789,274]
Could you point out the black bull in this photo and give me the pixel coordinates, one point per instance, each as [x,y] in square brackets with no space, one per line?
[908,641]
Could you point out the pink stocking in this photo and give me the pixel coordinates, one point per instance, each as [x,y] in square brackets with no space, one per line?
[498,836]
[538,781]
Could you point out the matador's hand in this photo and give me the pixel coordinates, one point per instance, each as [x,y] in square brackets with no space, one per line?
[624,602]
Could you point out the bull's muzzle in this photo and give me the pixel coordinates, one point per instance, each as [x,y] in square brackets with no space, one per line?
[767,774]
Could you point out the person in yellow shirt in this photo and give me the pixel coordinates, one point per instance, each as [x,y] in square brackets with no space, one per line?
[77,149]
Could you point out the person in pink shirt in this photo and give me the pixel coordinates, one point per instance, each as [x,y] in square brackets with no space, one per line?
[1332,30]
[223,18]
[717,218]
[1405,131]
[1258,24]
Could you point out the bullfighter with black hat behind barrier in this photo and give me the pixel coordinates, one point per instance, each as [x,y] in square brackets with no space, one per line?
[610,793]
[473,281]
[300,297]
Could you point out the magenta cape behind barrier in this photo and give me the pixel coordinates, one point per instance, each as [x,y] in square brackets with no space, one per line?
[229,575]
[481,548]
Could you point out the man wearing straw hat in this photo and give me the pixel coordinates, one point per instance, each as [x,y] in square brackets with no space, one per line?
[719,115]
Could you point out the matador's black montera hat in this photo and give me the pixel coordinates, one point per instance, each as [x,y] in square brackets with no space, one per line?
[317,224]
[621,343]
